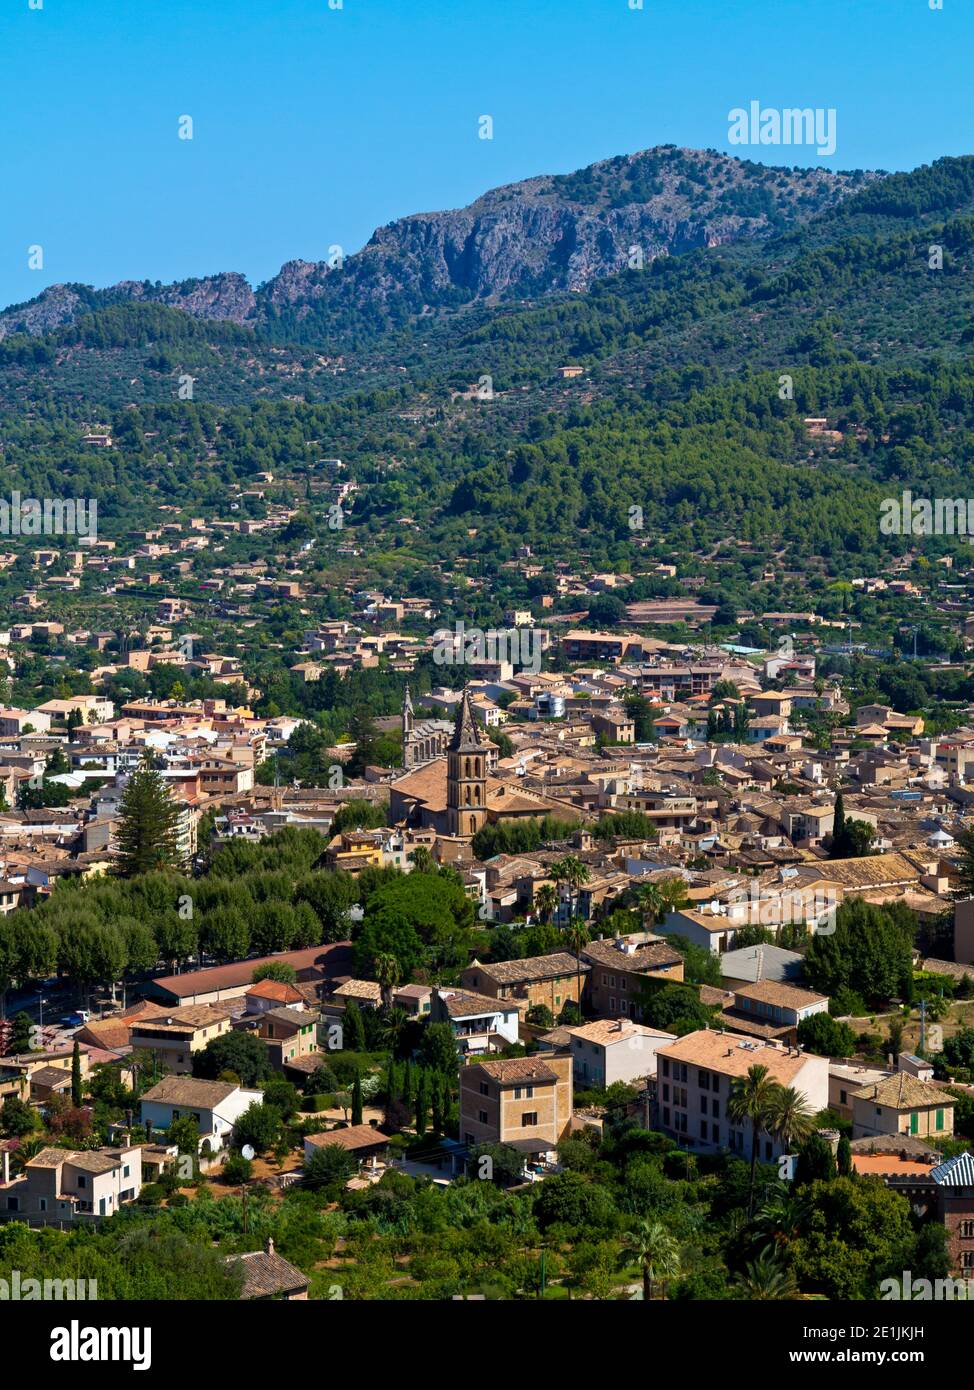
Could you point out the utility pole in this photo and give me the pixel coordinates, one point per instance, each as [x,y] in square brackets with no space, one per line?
[923,1026]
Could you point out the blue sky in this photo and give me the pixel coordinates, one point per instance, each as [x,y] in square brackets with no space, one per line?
[314,125]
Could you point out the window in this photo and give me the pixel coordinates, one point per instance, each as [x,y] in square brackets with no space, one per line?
[703,1129]
[482,1117]
[126,1171]
[680,1124]
[940,1119]
[666,1090]
[666,1115]
[842,1097]
[967,1259]
[529,1117]
[42,1204]
[703,1079]
[715,1109]
[680,1096]
[623,984]
[612,1002]
[484,1089]
[82,1180]
[666,1066]
[967,1230]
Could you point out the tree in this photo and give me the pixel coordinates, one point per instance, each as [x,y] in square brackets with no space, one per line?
[259,1126]
[329,1166]
[857,1230]
[148,825]
[438,1049]
[826,1037]
[843,1158]
[790,1121]
[574,873]
[576,939]
[753,1098]
[546,901]
[851,839]
[767,1277]
[279,970]
[76,1087]
[386,969]
[651,1246]
[243,1054]
[357,1101]
[816,1162]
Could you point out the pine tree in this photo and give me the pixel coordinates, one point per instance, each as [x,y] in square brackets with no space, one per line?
[357,1100]
[76,1089]
[148,834]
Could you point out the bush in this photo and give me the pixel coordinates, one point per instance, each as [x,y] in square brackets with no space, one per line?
[237,1169]
[151,1195]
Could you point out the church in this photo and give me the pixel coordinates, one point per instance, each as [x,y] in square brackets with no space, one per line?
[455,794]
[422,740]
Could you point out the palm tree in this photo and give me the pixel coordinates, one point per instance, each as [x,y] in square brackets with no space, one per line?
[767,1277]
[572,871]
[655,1251]
[791,1120]
[546,900]
[783,1218]
[753,1098]
[386,969]
[651,902]
[576,939]
[23,1153]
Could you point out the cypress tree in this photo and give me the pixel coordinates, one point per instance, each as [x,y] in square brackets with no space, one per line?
[76,1089]
[843,1158]
[357,1100]
[422,1103]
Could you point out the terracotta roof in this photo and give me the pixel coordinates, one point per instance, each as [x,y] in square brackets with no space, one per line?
[515,972]
[275,989]
[613,1030]
[787,996]
[187,1090]
[329,960]
[512,1070]
[732,1056]
[903,1092]
[462,1004]
[266,1273]
[353,1137]
[652,956]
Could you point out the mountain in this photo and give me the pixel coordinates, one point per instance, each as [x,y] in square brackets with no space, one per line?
[544,235]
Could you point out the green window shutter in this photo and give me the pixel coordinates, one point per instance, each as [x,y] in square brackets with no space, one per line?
[940,1119]
[914,1122]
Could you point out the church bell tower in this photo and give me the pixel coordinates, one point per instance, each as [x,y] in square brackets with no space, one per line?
[466,775]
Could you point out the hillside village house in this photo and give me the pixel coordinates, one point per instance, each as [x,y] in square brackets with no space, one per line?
[525,1102]
[288,1034]
[611,1050]
[550,980]
[67,1186]
[215,1106]
[174,1038]
[621,968]
[694,1079]
[902,1104]
[774,1010]
[479,1024]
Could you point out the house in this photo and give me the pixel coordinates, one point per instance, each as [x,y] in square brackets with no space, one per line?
[619,970]
[288,1033]
[479,1023]
[417,1000]
[845,1079]
[215,1106]
[174,1038]
[751,963]
[272,994]
[550,980]
[517,1101]
[714,931]
[770,1009]
[364,1142]
[902,1104]
[268,1275]
[219,982]
[611,1050]
[69,1186]
[695,1075]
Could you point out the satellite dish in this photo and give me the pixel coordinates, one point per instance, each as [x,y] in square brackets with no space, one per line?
[247,1151]
[714,906]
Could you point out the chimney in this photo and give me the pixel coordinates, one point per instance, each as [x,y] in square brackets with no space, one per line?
[269,1245]
[5,1170]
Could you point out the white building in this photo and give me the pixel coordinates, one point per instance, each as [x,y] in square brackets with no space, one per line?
[695,1076]
[615,1049]
[215,1106]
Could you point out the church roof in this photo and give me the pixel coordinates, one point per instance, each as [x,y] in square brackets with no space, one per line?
[466,733]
